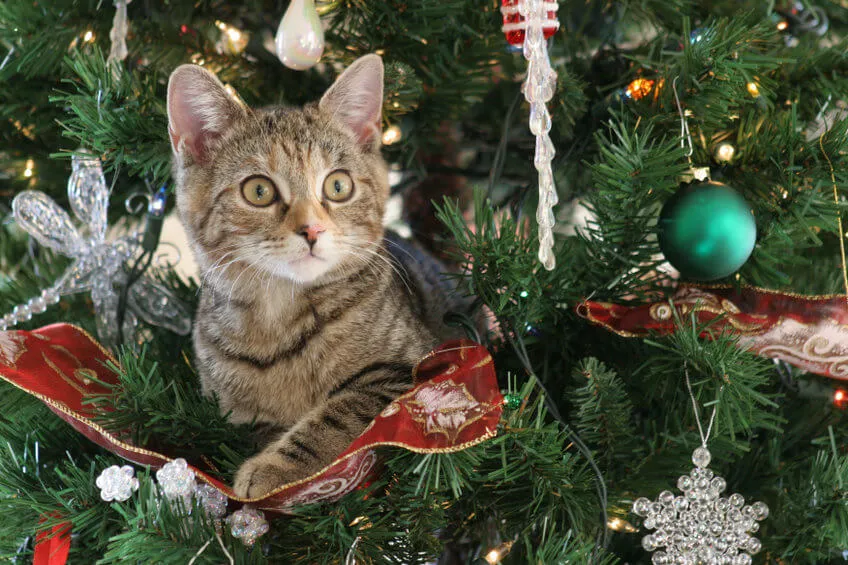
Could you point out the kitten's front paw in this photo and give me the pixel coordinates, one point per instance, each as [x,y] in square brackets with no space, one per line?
[261,474]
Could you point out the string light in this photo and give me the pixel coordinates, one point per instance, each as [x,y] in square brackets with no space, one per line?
[88,37]
[494,556]
[782,25]
[392,135]
[30,166]
[357,520]
[619,525]
[724,152]
[639,88]
[233,41]
[753,89]
[839,397]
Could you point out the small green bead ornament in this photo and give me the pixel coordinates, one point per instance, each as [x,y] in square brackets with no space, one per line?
[706,231]
[513,401]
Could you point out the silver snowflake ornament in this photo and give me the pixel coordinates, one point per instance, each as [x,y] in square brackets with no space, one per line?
[98,263]
[117,483]
[176,481]
[702,526]
[247,524]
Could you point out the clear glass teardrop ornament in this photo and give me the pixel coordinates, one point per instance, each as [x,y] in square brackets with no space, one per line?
[300,37]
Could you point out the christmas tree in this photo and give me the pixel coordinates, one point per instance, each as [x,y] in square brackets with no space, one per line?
[681,313]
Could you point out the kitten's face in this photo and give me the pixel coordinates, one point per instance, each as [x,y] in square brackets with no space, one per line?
[289,193]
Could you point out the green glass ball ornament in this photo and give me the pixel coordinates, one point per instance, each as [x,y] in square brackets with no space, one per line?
[706,231]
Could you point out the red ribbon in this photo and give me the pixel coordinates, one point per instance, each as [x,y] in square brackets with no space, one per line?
[810,332]
[52,545]
[456,404]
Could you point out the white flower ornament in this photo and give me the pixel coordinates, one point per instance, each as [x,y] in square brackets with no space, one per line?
[117,483]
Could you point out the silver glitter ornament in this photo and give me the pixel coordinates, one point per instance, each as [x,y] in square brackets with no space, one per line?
[117,483]
[98,264]
[176,481]
[247,524]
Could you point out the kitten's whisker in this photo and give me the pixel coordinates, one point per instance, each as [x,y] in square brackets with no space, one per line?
[220,260]
[257,275]
[374,257]
[367,261]
[270,276]
[222,269]
[400,247]
[353,240]
[204,277]
[250,265]
[396,267]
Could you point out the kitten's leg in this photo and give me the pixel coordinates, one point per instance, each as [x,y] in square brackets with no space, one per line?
[314,442]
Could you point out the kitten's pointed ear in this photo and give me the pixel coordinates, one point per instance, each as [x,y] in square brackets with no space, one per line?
[356,98]
[199,110]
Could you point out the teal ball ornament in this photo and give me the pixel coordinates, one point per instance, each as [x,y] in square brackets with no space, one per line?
[706,230]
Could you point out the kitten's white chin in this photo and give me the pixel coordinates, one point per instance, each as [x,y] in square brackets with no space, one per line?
[303,271]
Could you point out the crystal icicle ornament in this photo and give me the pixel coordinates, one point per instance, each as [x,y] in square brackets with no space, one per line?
[701,526]
[118,33]
[300,37]
[247,524]
[538,89]
[98,264]
[117,483]
[176,481]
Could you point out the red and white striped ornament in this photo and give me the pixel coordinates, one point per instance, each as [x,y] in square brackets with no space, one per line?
[514,25]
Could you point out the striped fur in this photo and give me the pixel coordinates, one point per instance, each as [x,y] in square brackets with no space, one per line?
[317,347]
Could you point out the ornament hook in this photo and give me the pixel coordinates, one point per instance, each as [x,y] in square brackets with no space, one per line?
[704,437]
[685,135]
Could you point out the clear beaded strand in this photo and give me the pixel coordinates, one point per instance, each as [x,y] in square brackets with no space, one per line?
[538,89]
[24,312]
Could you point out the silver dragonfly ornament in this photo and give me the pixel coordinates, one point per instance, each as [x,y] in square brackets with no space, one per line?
[98,264]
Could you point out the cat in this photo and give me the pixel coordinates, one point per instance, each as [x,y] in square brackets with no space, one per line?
[311,317]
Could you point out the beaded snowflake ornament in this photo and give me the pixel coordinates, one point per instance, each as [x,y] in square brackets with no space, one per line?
[701,526]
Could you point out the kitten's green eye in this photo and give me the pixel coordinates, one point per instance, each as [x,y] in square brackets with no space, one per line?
[259,191]
[338,186]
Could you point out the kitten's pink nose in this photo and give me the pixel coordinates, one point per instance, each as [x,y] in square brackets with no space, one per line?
[310,232]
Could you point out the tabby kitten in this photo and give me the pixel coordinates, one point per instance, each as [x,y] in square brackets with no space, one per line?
[310,317]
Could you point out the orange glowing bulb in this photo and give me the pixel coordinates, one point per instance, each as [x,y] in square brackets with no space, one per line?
[639,88]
